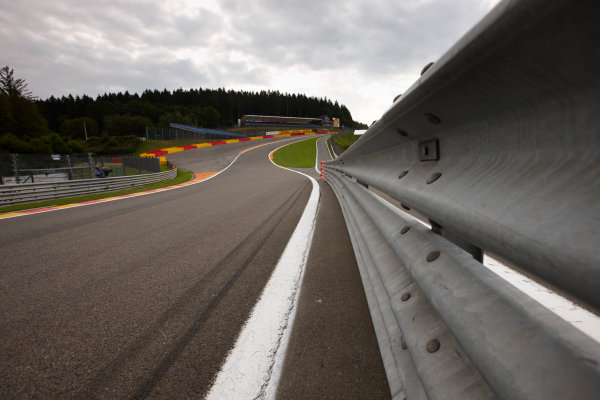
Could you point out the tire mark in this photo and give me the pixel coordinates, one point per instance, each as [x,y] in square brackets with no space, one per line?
[146,339]
[60,226]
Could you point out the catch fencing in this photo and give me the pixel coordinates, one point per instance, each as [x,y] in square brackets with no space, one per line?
[19,169]
[498,146]
[174,133]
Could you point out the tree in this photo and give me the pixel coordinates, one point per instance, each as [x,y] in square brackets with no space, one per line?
[206,117]
[123,125]
[7,121]
[29,121]
[75,129]
[19,113]
[12,86]
[174,117]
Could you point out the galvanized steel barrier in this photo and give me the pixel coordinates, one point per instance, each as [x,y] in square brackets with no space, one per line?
[498,145]
[17,194]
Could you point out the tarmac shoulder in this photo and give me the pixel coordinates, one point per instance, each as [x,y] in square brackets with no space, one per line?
[332,352]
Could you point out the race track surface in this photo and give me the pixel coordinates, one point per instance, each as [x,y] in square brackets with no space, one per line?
[144,297]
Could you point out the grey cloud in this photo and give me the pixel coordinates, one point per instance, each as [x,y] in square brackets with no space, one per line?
[76,46]
[373,36]
[102,41]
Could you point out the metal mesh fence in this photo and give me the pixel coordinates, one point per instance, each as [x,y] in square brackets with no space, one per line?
[177,134]
[34,168]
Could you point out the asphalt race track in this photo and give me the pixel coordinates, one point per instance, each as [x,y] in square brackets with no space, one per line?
[144,297]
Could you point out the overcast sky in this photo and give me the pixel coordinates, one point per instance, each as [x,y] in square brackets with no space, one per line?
[361,53]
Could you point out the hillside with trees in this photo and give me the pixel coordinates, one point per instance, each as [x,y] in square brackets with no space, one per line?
[112,122]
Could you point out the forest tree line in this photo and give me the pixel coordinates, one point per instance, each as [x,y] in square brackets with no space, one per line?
[112,122]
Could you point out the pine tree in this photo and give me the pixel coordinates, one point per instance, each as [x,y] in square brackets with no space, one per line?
[11,86]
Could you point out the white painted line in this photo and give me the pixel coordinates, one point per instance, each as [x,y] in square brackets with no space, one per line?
[331,157]
[253,367]
[580,318]
[317,163]
[317,166]
[153,191]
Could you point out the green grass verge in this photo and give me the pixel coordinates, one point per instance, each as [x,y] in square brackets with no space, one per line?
[345,141]
[297,155]
[182,176]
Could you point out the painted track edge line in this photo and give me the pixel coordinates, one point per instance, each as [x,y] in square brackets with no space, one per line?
[253,366]
[329,147]
[317,156]
[192,181]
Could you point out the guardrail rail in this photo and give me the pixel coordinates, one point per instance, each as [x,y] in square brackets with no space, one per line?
[498,146]
[18,194]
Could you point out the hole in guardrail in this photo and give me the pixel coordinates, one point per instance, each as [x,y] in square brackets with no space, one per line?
[405,296]
[404,230]
[469,247]
[435,227]
[429,150]
[425,68]
[405,207]
[433,177]
[403,344]
[433,256]
[432,119]
[433,345]
[402,174]
[401,132]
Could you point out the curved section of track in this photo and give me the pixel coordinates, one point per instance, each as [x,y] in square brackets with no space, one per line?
[144,296]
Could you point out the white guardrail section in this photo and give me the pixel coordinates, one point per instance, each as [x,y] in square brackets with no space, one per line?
[498,145]
[27,193]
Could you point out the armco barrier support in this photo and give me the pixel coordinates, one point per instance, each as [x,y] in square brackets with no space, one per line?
[17,194]
[498,145]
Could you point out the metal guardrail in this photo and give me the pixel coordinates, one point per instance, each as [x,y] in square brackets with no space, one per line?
[332,144]
[17,194]
[498,146]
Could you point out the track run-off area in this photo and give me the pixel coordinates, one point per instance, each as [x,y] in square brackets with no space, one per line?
[149,296]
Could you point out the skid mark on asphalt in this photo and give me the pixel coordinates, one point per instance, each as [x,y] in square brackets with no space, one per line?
[188,299]
[254,365]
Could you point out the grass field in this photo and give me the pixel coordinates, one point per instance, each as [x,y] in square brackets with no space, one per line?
[297,155]
[182,176]
[345,141]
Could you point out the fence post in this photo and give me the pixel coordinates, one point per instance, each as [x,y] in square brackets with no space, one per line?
[91,164]
[16,167]
[70,173]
